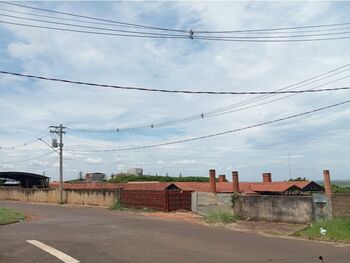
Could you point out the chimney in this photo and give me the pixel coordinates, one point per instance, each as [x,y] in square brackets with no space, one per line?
[267,178]
[212,180]
[222,178]
[327,183]
[235,182]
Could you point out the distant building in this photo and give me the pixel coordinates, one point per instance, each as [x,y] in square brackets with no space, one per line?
[135,171]
[95,177]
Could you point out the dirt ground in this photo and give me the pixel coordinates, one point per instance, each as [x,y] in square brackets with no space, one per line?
[260,227]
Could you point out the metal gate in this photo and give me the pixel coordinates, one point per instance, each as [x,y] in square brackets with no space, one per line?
[165,200]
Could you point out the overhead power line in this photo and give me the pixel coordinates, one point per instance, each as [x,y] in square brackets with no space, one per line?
[29,142]
[244,105]
[87,32]
[33,158]
[100,28]
[93,18]
[328,28]
[182,35]
[172,91]
[207,38]
[127,24]
[251,35]
[213,134]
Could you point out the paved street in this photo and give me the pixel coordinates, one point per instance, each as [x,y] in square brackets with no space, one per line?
[100,235]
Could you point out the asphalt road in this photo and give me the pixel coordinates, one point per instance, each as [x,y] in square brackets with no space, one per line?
[100,235]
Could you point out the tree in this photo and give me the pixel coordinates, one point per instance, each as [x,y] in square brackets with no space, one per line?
[297,179]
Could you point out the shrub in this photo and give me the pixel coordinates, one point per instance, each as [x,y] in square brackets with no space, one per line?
[219,216]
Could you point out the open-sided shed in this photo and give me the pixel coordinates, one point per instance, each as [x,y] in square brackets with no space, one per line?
[27,180]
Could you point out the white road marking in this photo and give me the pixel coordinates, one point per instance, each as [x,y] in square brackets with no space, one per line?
[58,254]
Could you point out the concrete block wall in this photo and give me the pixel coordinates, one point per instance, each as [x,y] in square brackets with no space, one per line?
[203,202]
[289,209]
[100,197]
[341,205]
[31,195]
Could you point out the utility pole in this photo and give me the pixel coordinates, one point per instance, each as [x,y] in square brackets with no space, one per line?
[60,131]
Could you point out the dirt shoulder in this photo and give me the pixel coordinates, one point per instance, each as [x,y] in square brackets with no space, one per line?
[263,228]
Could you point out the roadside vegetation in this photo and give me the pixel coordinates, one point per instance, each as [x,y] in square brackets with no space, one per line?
[8,216]
[124,178]
[118,206]
[218,216]
[340,189]
[336,230]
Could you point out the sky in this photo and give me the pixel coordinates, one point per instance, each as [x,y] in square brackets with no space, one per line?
[28,107]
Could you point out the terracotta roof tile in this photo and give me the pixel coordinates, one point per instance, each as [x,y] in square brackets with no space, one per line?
[277,187]
[222,187]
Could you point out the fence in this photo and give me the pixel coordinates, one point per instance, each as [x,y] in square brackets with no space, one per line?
[203,203]
[289,209]
[341,205]
[166,200]
[99,197]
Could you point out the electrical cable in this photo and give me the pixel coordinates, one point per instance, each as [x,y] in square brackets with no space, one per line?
[93,18]
[214,38]
[177,35]
[88,32]
[117,25]
[213,134]
[34,140]
[178,30]
[100,28]
[33,158]
[171,91]
[66,19]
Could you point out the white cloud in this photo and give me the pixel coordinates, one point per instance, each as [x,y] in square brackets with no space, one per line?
[28,107]
[184,162]
[7,166]
[39,163]
[90,160]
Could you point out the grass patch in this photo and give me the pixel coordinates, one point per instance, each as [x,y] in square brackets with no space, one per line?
[218,216]
[337,230]
[8,216]
[119,207]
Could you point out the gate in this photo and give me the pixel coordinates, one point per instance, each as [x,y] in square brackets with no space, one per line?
[165,200]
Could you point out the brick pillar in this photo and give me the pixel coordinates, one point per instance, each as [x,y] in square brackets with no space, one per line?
[222,178]
[267,177]
[327,183]
[235,181]
[212,180]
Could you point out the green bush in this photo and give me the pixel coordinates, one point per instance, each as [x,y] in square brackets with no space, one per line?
[219,216]
[337,230]
[8,216]
[340,189]
[117,206]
